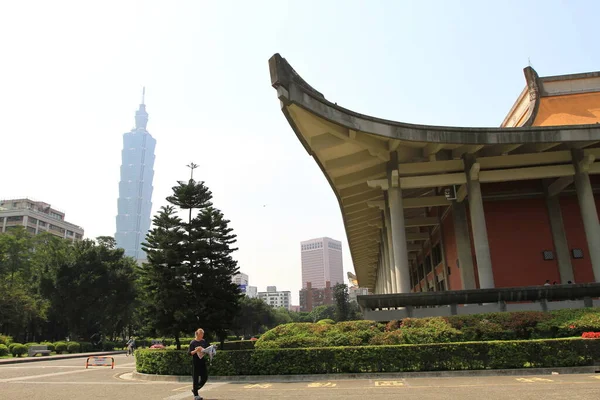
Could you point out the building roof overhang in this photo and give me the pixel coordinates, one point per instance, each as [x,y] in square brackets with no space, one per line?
[356,152]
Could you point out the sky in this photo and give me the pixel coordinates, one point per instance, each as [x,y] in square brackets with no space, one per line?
[72,72]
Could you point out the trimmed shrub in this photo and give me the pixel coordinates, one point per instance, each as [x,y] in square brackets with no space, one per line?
[326,321]
[6,340]
[28,345]
[49,345]
[17,349]
[569,322]
[73,347]
[60,347]
[86,347]
[3,350]
[427,357]
[238,345]
[417,331]
[109,346]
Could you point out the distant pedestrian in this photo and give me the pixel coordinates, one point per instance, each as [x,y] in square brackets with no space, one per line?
[555,283]
[199,370]
[547,282]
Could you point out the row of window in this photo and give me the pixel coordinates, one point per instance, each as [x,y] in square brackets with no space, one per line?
[312,246]
[335,246]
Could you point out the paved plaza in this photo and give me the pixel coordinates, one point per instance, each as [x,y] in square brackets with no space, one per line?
[69,379]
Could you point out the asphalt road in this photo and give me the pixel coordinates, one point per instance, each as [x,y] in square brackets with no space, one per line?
[69,379]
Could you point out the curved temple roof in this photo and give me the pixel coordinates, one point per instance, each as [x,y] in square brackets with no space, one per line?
[354,151]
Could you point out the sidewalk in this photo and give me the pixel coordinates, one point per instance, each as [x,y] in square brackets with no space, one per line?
[384,375]
[19,360]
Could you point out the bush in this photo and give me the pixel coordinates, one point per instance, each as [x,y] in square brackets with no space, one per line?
[28,345]
[49,345]
[86,347]
[6,340]
[418,331]
[73,347]
[109,346]
[17,349]
[3,350]
[377,359]
[569,322]
[60,347]
[238,345]
[326,321]
[590,335]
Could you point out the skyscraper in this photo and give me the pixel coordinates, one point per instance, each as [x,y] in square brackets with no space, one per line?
[135,188]
[321,262]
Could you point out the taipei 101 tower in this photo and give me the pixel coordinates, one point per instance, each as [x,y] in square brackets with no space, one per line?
[135,188]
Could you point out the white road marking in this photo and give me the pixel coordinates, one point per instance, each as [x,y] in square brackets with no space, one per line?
[24,378]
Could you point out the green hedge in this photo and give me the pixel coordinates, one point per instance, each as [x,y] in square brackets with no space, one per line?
[3,350]
[402,358]
[237,345]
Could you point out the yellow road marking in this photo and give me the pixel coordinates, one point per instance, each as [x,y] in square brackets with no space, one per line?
[258,386]
[389,383]
[532,380]
[322,384]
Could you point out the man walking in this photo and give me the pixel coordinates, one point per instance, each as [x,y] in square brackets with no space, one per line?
[199,370]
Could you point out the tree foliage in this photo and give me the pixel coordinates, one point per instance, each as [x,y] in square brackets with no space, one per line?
[187,281]
[52,288]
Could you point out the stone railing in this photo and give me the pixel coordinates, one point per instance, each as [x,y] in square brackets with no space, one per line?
[386,307]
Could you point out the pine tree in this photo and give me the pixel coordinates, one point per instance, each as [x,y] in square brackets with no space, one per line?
[162,278]
[197,255]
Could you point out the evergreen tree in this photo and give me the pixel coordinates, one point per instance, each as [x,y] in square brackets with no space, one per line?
[342,302]
[195,258]
[162,279]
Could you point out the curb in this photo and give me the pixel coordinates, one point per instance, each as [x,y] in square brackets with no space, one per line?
[384,375]
[20,360]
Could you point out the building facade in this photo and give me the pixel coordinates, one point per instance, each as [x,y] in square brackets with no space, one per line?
[321,262]
[37,217]
[242,281]
[314,297]
[432,208]
[276,299]
[135,188]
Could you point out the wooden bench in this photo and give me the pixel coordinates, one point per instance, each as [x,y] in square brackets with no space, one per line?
[43,350]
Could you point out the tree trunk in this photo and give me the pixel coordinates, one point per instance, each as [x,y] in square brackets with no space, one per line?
[177,342]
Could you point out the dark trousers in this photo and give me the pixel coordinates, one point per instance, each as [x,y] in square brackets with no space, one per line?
[199,376]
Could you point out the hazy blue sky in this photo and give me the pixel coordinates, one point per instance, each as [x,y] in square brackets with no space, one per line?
[71,74]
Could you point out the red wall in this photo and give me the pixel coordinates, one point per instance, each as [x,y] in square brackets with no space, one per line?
[518,233]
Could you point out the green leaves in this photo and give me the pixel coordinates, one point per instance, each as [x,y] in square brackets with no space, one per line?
[186,283]
[404,358]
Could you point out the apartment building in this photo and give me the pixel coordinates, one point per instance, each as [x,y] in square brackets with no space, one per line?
[36,217]
[276,299]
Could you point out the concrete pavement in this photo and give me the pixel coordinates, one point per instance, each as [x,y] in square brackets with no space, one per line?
[68,379]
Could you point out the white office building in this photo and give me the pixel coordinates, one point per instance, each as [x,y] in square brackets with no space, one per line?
[321,262]
[276,299]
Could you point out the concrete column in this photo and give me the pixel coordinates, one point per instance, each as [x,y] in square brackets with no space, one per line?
[443,249]
[381,269]
[387,281]
[463,245]
[480,237]
[378,278]
[431,263]
[398,234]
[587,207]
[388,233]
[559,237]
